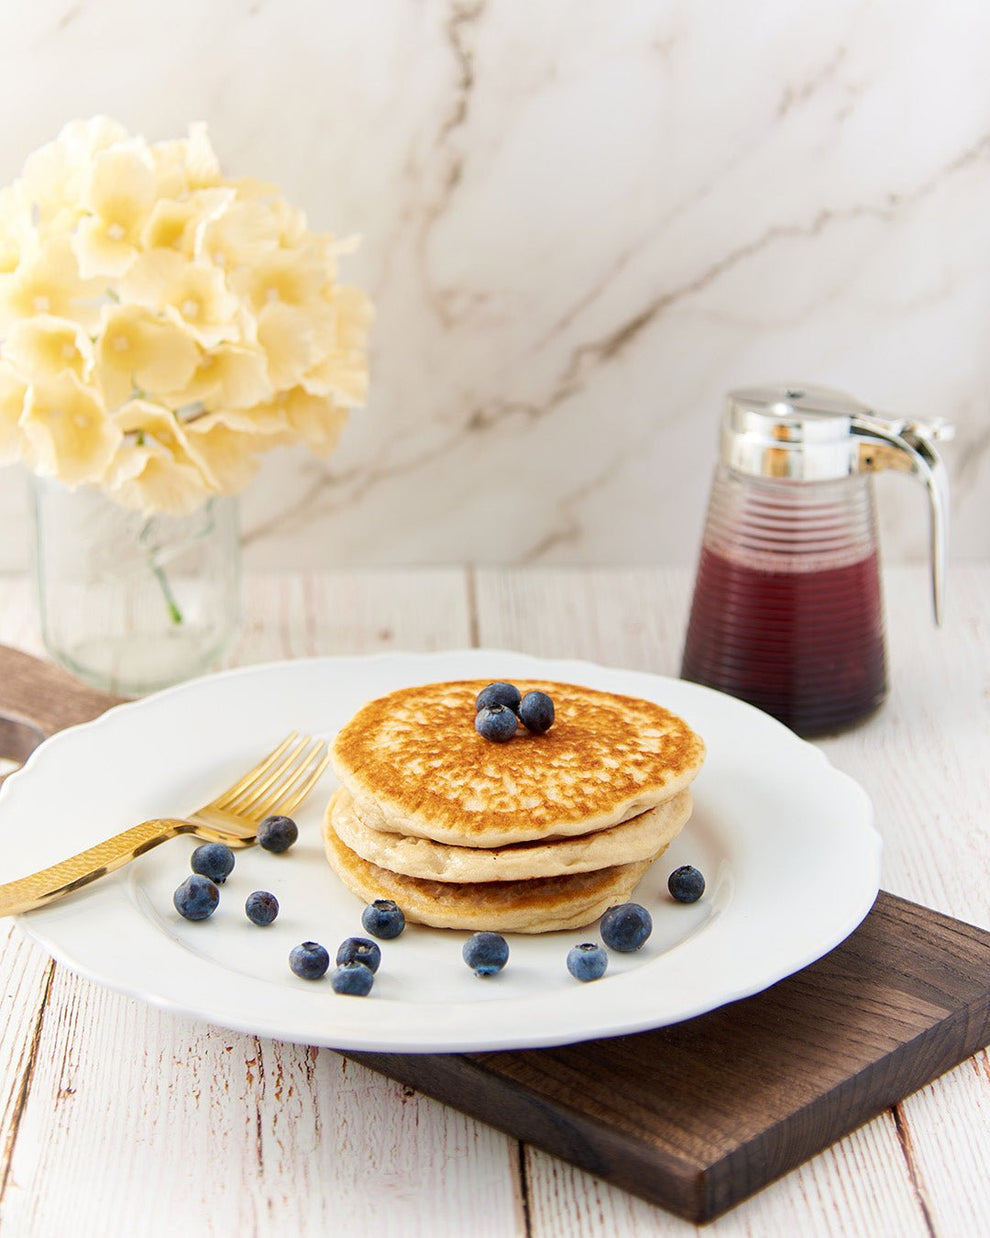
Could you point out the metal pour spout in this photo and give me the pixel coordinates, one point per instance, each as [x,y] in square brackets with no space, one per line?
[908,446]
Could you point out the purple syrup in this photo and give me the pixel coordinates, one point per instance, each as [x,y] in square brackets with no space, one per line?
[806,647]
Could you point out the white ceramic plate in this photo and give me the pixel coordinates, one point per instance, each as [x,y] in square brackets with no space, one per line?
[785,841]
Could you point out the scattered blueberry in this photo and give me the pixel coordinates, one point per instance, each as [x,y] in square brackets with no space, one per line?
[536,712]
[495,722]
[277,833]
[686,884]
[506,694]
[310,960]
[626,927]
[587,961]
[261,907]
[197,898]
[383,918]
[359,950]
[353,978]
[213,860]
[486,953]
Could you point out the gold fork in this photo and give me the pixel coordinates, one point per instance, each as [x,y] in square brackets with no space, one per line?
[277,784]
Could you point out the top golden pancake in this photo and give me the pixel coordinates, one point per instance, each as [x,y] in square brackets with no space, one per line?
[415,764]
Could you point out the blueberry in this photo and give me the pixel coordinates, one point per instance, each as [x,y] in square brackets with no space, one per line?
[587,961]
[353,978]
[383,919]
[277,833]
[197,898]
[686,884]
[309,960]
[261,907]
[486,953]
[213,860]
[506,694]
[536,712]
[359,950]
[495,722]
[626,927]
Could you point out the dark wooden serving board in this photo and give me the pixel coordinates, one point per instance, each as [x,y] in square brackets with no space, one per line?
[698,1116]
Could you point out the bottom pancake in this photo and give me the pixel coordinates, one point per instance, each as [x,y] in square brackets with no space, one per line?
[536,905]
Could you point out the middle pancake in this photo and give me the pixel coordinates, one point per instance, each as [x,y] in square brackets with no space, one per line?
[639,838]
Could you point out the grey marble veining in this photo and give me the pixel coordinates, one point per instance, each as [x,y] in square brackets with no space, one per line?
[582,224]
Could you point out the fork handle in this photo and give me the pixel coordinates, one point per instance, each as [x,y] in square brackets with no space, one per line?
[79,870]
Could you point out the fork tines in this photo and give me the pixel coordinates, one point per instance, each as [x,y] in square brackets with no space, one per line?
[281,782]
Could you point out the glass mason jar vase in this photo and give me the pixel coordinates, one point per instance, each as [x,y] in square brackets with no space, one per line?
[131,602]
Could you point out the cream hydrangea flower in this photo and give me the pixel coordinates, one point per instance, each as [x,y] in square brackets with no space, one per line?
[69,431]
[183,166]
[290,342]
[238,236]
[229,443]
[139,351]
[47,281]
[162,279]
[314,420]
[52,184]
[178,223]
[342,371]
[118,196]
[230,376]
[154,468]
[161,325]
[287,223]
[46,346]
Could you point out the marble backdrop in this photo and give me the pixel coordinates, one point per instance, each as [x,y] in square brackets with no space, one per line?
[583,222]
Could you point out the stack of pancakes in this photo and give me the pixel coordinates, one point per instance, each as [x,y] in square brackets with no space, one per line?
[540,833]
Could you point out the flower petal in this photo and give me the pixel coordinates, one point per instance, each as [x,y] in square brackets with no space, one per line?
[228,443]
[121,185]
[293,277]
[12,392]
[229,376]
[54,176]
[164,280]
[287,336]
[177,223]
[154,468]
[151,479]
[47,282]
[342,370]
[69,430]
[237,237]
[317,420]
[44,347]
[186,165]
[137,350]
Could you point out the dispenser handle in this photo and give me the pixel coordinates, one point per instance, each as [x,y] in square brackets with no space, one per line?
[909,446]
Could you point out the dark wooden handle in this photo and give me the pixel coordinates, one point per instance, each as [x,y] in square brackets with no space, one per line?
[37,699]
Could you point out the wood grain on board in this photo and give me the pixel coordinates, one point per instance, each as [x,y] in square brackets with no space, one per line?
[698,1116]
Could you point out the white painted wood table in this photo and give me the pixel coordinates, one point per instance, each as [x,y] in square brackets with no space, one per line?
[118,1119]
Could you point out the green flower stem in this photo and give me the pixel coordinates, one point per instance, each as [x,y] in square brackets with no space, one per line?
[174,613]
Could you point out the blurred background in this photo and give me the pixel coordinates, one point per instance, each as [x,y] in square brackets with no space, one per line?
[582,224]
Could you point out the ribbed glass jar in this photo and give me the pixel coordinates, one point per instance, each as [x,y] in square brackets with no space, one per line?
[787,610]
[132,602]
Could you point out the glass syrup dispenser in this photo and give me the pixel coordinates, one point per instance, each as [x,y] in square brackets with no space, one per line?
[787,610]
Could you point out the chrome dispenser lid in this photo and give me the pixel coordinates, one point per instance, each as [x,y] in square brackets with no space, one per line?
[807,433]
[801,433]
